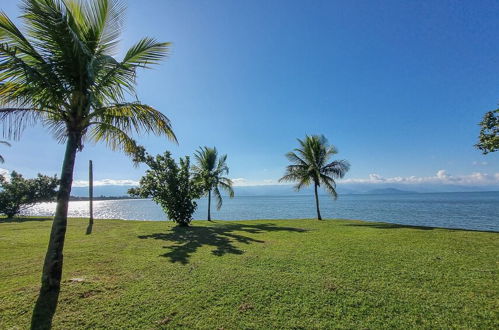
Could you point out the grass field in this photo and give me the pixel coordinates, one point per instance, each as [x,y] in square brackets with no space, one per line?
[255,274]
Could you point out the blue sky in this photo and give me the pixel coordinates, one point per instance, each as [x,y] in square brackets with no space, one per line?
[397,86]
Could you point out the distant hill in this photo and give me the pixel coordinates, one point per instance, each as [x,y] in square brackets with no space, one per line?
[287,190]
[389,191]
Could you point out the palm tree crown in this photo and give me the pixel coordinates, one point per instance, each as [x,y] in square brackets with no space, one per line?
[310,165]
[209,172]
[61,72]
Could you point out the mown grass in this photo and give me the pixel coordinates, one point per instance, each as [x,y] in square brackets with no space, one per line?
[255,274]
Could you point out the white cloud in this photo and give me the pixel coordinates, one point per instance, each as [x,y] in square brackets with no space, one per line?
[441,177]
[475,163]
[376,178]
[245,182]
[5,172]
[239,182]
[106,182]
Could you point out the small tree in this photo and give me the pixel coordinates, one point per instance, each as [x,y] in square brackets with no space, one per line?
[170,185]
[310,164]
[489,132]
[209,174]
[19,193]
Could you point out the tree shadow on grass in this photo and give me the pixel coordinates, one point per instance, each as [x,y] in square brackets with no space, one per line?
[386,225]
[24,219]
[90,227]
[222,237]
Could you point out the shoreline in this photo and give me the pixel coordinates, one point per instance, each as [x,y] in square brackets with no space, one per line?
[277,221]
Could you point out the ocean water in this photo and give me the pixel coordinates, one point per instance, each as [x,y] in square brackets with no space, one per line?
[478,211]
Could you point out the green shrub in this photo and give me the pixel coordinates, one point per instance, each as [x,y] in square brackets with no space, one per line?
[170,185]
[18,193]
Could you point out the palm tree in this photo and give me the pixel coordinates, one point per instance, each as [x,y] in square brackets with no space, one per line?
[5,143]
[209,171]
[311,166]
[60,72]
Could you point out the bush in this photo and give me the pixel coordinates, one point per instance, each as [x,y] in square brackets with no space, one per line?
[489,132]
[19,193]
[170,185]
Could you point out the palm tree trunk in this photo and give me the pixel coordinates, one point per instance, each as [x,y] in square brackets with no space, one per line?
[209,205]
[52,268]
[317,202]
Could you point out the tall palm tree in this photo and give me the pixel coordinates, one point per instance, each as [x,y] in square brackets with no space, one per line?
[311,166]
[60,72]
[5,143]
[209,172]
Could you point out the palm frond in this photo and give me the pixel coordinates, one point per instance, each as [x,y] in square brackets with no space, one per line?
[304,181]
[336,169]
[294,158]
[114,138]
[135,117]
[11,35]
[145,52]
[226,184]
[16,120]
[104,20]
[23,81]
[292,176]
[218,197]
[330,186]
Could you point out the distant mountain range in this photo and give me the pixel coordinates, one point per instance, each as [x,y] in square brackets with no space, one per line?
[390,191]
[286,190]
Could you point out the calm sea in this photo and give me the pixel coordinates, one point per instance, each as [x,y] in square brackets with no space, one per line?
[478,210]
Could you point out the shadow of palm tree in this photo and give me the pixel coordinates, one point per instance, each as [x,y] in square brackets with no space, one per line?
[89,227]
[385,225]
[222,237]
[25,219]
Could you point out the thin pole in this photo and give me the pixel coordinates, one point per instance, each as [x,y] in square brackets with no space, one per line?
[91,191]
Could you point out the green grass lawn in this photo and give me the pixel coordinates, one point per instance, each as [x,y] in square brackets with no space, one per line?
[255,274]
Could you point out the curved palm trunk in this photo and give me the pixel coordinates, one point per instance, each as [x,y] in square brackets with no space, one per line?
[52,268]
[317,203]
[209,205]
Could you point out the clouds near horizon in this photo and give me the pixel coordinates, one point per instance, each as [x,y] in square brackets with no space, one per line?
[441,177]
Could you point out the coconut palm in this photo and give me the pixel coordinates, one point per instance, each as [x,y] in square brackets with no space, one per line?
[5,143]
[209,172]
[60,72]
[311,166]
